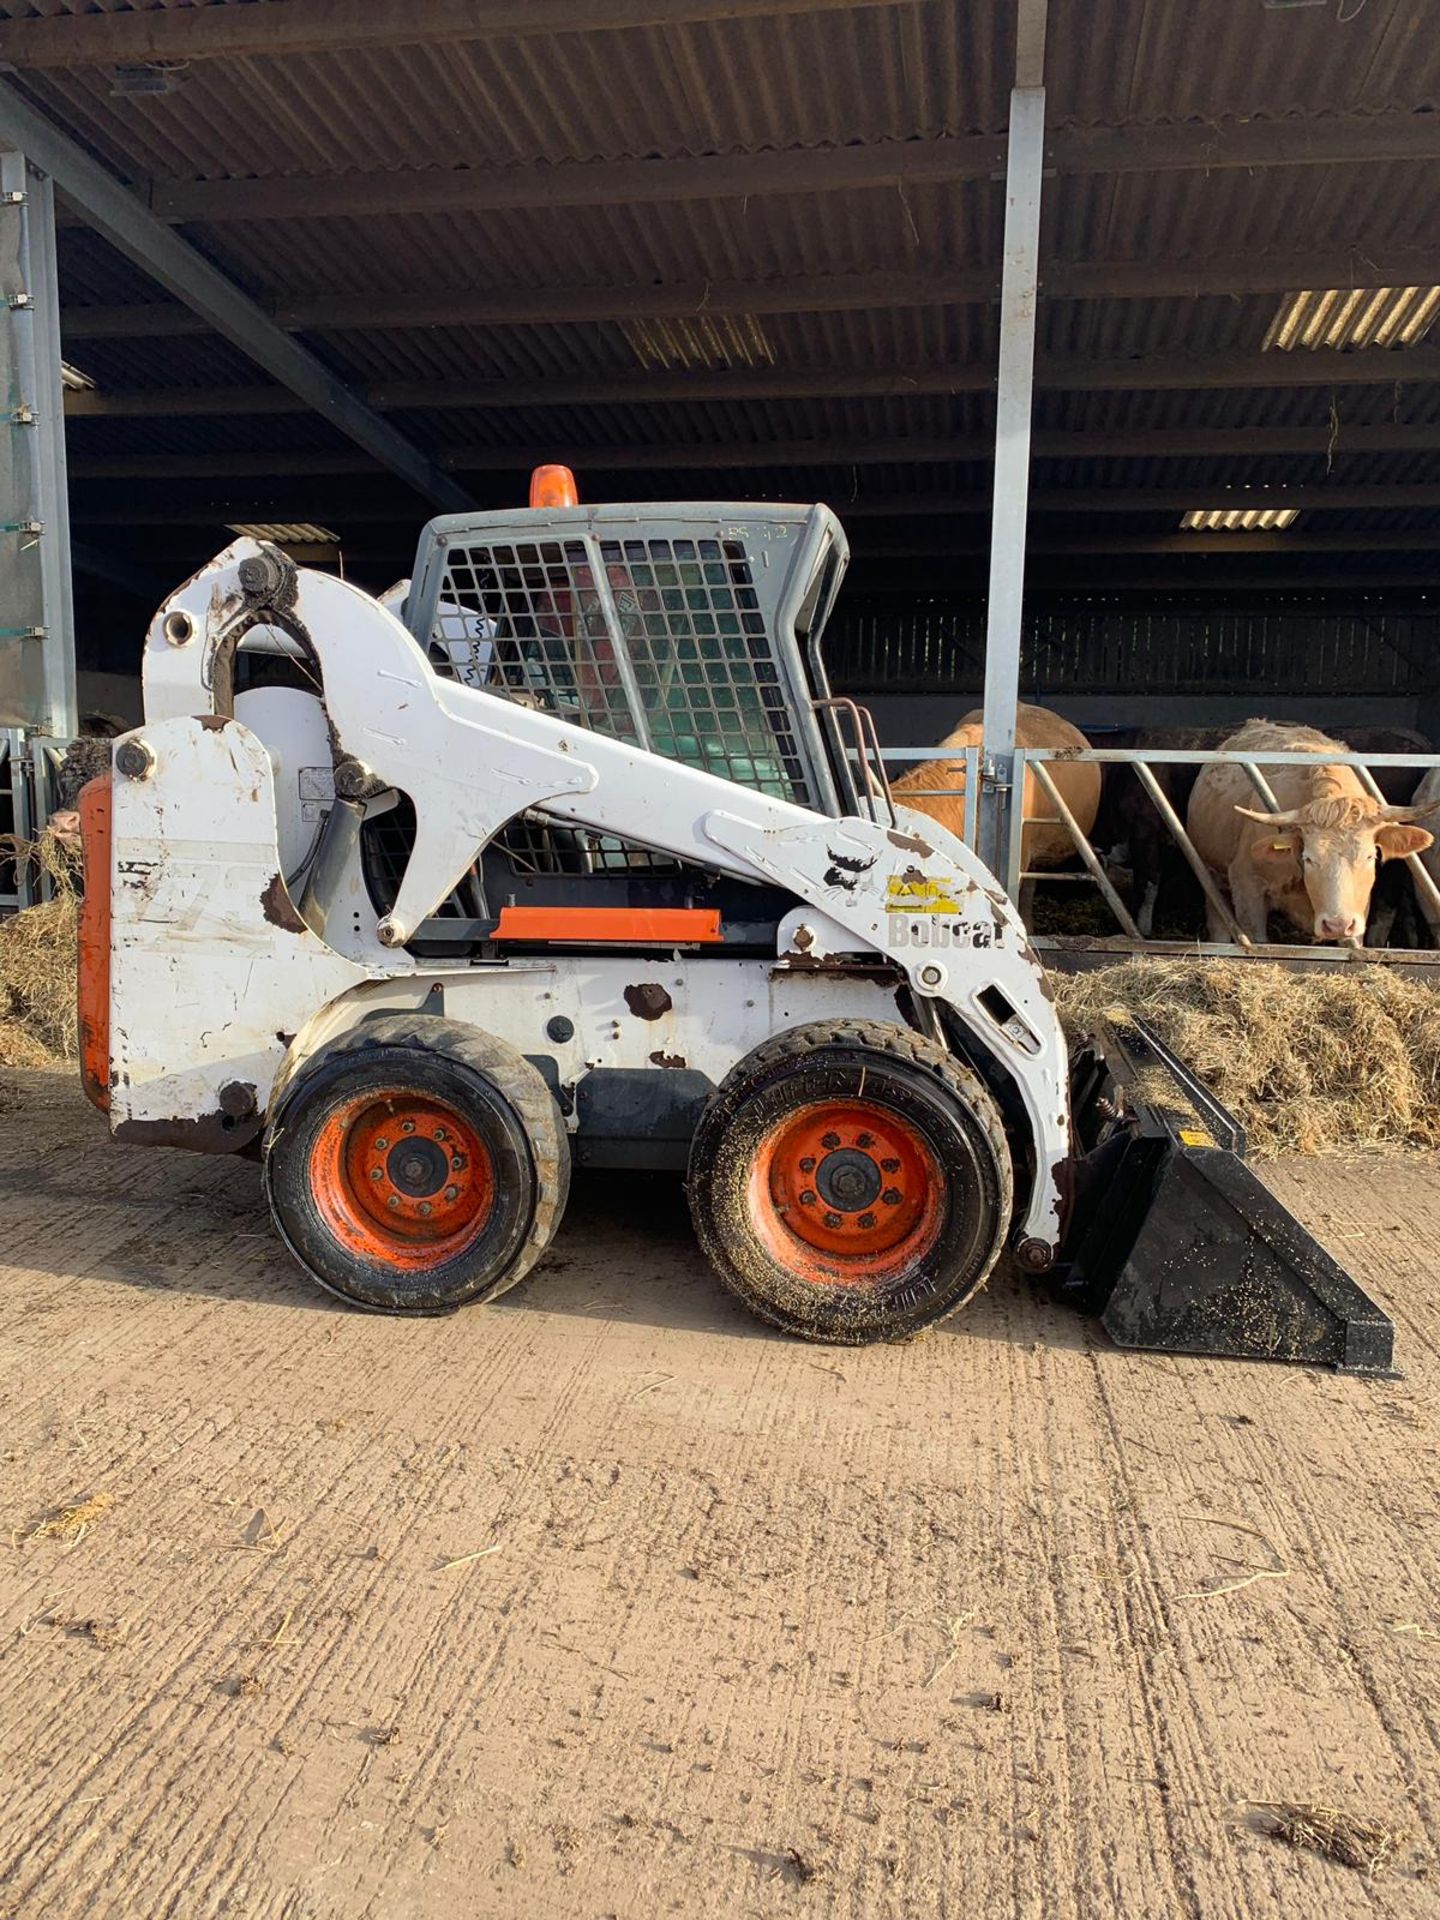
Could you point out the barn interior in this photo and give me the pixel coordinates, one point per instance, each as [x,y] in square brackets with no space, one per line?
[329,269]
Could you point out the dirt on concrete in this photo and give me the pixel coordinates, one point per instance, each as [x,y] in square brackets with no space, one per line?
[606,1600]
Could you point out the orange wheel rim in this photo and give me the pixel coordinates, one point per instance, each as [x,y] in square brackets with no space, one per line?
[401,1178]
[846,1193]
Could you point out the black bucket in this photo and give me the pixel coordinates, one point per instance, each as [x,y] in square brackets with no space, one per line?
[1175,1244]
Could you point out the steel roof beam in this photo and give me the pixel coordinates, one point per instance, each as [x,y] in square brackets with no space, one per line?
[1335,139]
[223,465]
[527,306]
[307,384]
[1326,140]
[1322,368]
[336,26]
[581,183]
[817,293]
[910,449]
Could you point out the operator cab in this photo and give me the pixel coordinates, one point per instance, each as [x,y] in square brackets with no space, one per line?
[692,631]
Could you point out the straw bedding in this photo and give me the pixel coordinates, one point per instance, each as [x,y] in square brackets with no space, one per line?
[37,962]
[1315,1062]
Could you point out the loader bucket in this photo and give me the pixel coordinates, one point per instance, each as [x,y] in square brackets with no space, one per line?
[1176,1245]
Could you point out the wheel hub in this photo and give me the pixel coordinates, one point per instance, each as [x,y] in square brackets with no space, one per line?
[417,1167]
[402,1178]
[851,1192]
[849,1180]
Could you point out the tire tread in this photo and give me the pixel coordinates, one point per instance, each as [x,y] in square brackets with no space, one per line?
[512,1075]
[888,1041]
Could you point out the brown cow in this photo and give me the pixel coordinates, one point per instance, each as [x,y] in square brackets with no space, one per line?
[1314,859]
[1078,783]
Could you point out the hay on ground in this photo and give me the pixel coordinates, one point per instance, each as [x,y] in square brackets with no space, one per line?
[1308,1062]
[1363,1844]
[37,959]
[73,1523]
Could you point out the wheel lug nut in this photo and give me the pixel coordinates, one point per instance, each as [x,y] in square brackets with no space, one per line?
[807,1198]
[407,1126]
[440,1134]
[866,1220]
[452,1193]
[831,1140]
[864,1139]
[381,1145]
[424,1206]
[457,1163]
[833,1220]
[392,1202]
[891,1197]
[807,1165]
[374,1173]
[890,1166]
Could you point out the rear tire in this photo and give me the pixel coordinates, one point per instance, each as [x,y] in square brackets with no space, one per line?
[417,1164]
[850,1182]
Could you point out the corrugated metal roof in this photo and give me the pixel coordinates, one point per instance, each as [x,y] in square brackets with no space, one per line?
[201,434]
[1194,215]
[879,74]
[1240,407]
[744,86]
[1175,60]
[768,237]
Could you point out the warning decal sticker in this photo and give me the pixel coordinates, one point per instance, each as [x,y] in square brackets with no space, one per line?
[914,893]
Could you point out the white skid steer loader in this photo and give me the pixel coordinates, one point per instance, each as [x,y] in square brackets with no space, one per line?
[626,888]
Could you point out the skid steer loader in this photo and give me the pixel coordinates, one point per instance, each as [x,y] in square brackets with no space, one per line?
[581,861]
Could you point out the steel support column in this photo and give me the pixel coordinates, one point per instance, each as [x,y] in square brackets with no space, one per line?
[40,606]
[1019,295]
[119,217]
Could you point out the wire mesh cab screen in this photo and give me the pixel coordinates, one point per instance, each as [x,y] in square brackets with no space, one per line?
[671,629]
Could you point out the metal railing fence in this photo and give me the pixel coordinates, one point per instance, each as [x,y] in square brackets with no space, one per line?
[965,789]
[28,793]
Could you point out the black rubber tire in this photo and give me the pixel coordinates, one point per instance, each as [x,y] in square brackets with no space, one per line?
[499,1095]
[935,1094]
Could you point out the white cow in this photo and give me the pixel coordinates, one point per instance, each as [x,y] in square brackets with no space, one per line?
[1315,859]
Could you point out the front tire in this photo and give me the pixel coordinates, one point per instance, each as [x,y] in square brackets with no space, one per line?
[416,1165]
[850,1181]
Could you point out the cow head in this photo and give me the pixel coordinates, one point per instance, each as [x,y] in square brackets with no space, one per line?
[65,825]
[1332,848]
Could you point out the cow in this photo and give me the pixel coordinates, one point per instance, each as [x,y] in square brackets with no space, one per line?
[1130,831]
[1315,857]
[84,760]
[1046,841]
[1396,917]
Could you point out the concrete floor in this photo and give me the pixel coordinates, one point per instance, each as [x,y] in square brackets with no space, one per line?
[604,1600]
